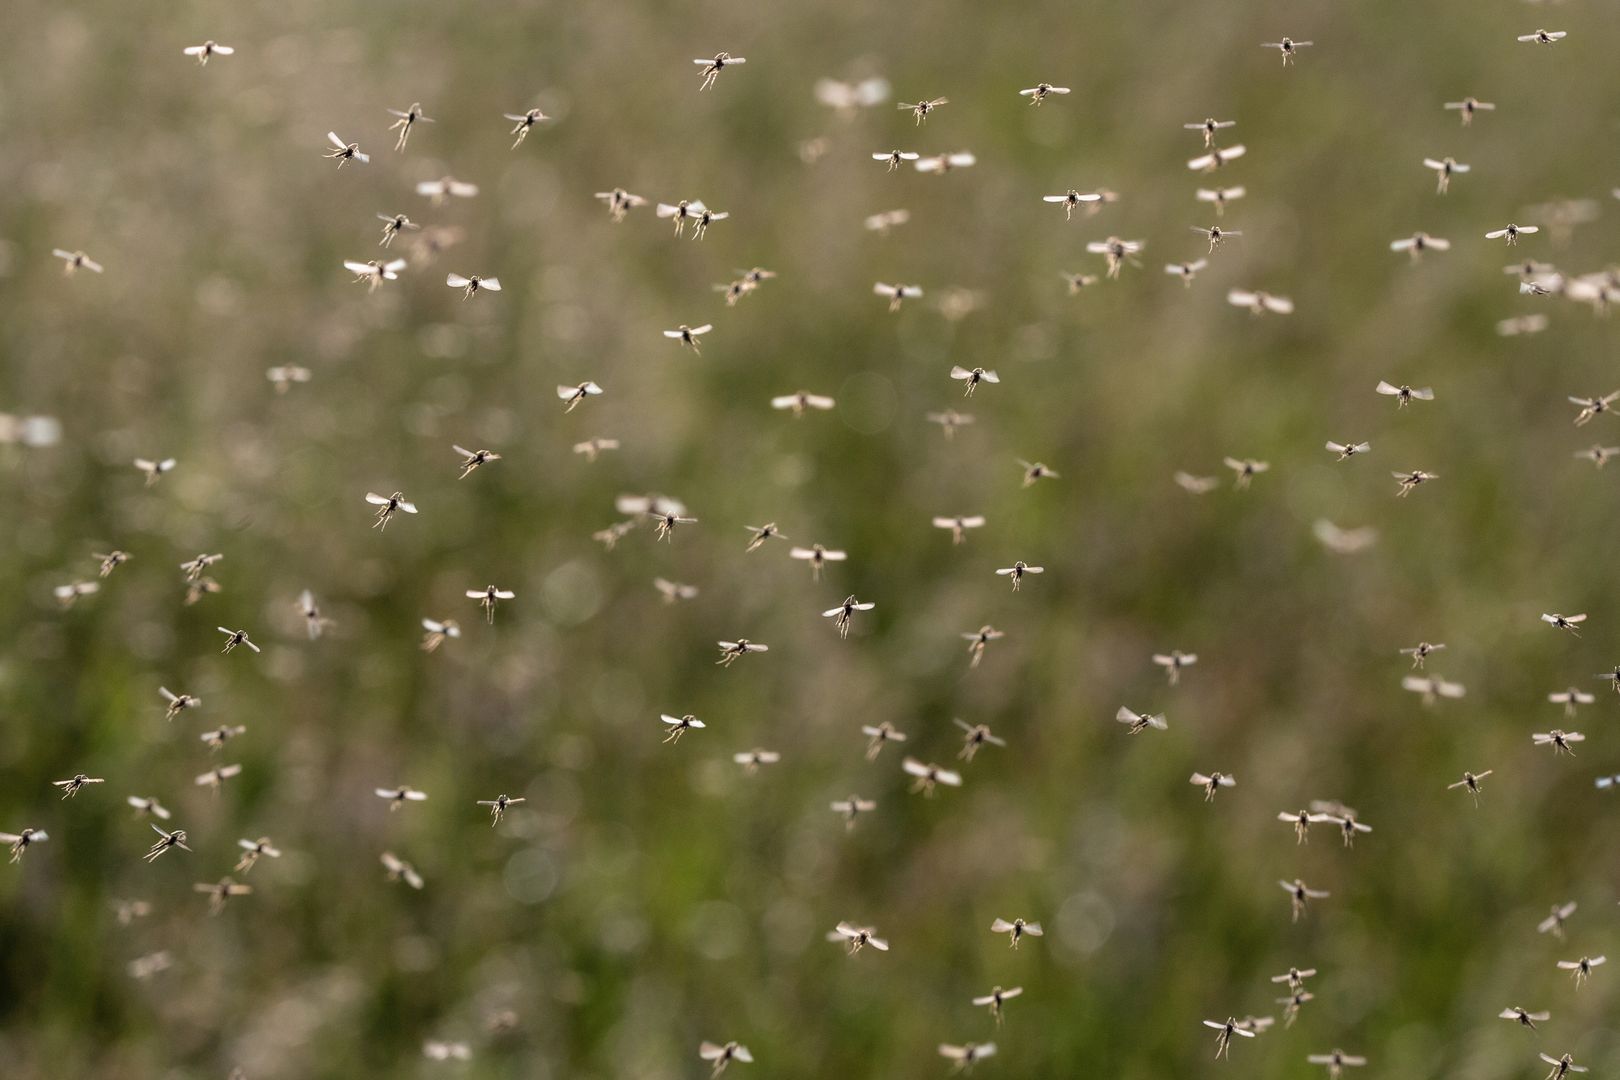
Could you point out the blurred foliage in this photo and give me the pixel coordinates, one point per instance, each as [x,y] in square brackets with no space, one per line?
[647,896]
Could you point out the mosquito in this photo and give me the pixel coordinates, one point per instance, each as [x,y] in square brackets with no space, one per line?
[144,806]
[1418,243]
[680,724]
[398,797]
[681,212]
[1570,698]
[949,421]
[1212,783]
[1512,233]
[1545,37]
[1300,895]
[233,638]
[67,594]
[972,378]
[1246,469]
[711,68]
[1524,1016]
[688,335]
[470,285]
[1116,252]
[1559,740]
[1040,92]
[573,395]
[730,650]
[1471,781]
[445,187]
[1288,47]
[154,469]
[1224,1032]
[724,1055]
[921,109]
[851,807]
[72,787]
[620,202]
[207,50]
[1581,969]
[1220,197]
[978,640]
[1017,571]
[1196,485]
[1140,722]
[844,614]
[1259,301]
[374,272]
[673,591]
[525,123]
[398,869]
[897,293]
[387,506]
[856,938]
[1072,199]
[1563,1065]
[1433,688]
[76,260]
[165,841]
[798,402]
[252,851]
[1445,168]
[1421,652]
[283,376]
[593,447]
[880,736]
[1348,450]
[1468,106]
[966,1055]
[345,152]
[929,776]
[1336,1062]
[1186,271]
[406,120]
[498,806]
[1217,158]
[1404,394]
[1564,622]
[1591,406]
[437,632]
[751,760]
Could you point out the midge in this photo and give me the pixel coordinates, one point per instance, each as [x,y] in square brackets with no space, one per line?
[1581,969]
[929,776]
[398,797]
[1173,662]
[722,1056]
[1348,450]
[1418,243]
[154,469]
[1246,469]
[1195,485]
[970,379]
[1570,698]
[1300,895]
[252,851]
[1345,819]
[761,533]
[1209,126]
[1524,1016]
[996,999]
[233,638]
[713,66]
[1410,480]
[1564,622]
[1404,394]
[702,219]
[165,841]
[897,293]
[111,561]
[144,806]
[19,842]
[1302,820]
[1512,233]
[1212,783]
[571,396]
[673,591]
[470,285]
[1186,271]
[959,527]
[895,157]
[405,121]
[498,806]
[1471,781]
[220,892]
[1612,678]
[1421,652]
[1072,199]
[1559,740]
[880,736]
[1220,197]
[1035,472]
[1522,324]
[1224,1030]
[488,597]
[944,163]
[1591,406]
[852,807]
[214,779]
[1294,977]
[195,567]
[1217,158]
[345,152]
[844,613]
[1545,37]
[1214,234]
[1565,1064]
[1445,168]
[216,739]
[730,650]
[398,869]
[1292,1004]
[283,376]
[682,212]
[387,506]
[1140,722]
[443,188]
[67,594]
[1041,91]
[374,272]
[668,520]
[1554,923]
[207,50]
[76,260]
[471,459]
[435,633]
[751,760]
[1432,688]
[1468,106]
[1598,455]
[966,1055]
[1017,571]
[620,202]
[974,738]
[949,421]
[856,938]
[72,787]
[1116,252]
[1259,301]
[591,448]
[798,402]
[1336,1062]
[978,640]
[921,109]
[525,122]
[1077,281]
[679,725]
[1288,47]
[688,335]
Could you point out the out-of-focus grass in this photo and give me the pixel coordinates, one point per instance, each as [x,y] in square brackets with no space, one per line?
[646,896]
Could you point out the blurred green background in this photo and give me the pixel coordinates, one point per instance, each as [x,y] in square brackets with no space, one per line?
[647,896]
